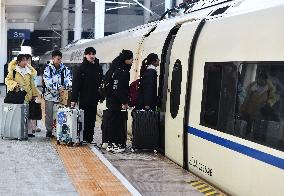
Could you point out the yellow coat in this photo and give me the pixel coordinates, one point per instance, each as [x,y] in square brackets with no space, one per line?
[26,82]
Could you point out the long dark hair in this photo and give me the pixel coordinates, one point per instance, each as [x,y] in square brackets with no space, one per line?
[152,57]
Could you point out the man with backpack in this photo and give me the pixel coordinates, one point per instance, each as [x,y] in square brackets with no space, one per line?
[56,76]
[117,101]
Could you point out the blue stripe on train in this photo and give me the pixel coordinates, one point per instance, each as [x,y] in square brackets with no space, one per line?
[256,154]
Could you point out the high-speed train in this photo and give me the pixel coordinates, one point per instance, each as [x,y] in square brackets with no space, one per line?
[221,89]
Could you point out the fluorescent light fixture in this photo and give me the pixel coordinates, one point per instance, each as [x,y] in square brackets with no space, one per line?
[114,8]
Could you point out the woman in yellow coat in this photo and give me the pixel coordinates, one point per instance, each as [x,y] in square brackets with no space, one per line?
[23,78]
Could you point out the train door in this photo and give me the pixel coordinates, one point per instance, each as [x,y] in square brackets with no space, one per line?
[163,82]
[178,93]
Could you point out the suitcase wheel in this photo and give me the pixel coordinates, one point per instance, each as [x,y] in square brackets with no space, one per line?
[133,150]
[70,143]
[58,142]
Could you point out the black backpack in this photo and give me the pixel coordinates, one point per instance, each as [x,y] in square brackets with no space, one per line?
[105,89]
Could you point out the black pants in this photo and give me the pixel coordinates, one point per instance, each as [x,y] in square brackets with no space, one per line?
[90,113]
[117,126]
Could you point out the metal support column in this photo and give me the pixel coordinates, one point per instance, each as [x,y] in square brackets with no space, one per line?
[168,4]
[178,2]
[64,23]
[99,26]
[3,39]
[78,20]
[147,4]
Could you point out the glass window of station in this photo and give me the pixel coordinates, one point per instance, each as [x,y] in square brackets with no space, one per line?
[245,99]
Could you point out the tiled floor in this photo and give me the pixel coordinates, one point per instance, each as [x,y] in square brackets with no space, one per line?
[89,175]
[32,168]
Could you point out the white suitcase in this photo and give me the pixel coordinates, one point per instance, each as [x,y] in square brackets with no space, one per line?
[54,121]
[70,126]
[14,121]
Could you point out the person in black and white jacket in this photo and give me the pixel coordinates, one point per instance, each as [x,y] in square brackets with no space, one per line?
[56,76]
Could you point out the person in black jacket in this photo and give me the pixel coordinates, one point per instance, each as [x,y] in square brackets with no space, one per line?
[86,80]
[118,100]
[147,92]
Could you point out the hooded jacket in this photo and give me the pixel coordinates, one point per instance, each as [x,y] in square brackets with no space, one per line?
[52,79]
[120,87]
[25,82]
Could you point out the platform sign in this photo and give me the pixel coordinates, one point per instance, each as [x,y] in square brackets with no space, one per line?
[19,34]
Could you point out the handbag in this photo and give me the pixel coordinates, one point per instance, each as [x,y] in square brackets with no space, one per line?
[15,97]
[35,110]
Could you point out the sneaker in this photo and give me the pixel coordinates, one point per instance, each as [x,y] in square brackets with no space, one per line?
[93,143]
[110,148]
[104,145]
[38,130]
[31,135]
[119,148]
[49,134]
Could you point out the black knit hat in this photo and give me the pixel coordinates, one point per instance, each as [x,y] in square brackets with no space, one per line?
[90,50]
[126,55]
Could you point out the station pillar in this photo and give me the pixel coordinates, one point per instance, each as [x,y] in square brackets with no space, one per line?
[147,16]
[78,20]
[3,39]
[99,26]
[64,23]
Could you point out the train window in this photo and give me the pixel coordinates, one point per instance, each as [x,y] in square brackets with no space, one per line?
[175,88]
[246,100]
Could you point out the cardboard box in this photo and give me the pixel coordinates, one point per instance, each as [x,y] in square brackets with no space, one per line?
[65,97]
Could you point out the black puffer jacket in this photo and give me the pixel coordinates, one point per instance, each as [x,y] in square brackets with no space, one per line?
[147,92]
[87,78]
[120,87]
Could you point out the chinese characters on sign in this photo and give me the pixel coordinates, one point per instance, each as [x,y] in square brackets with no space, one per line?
[201,167]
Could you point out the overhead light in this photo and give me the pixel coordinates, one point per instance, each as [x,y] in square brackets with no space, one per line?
[114,8]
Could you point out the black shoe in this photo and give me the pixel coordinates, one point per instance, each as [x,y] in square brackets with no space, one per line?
[31,135]
[49,134]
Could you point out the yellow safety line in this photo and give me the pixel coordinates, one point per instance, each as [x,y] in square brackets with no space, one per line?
[204,188]
[88,174]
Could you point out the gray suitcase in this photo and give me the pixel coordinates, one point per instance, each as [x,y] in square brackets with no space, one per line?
[14,121]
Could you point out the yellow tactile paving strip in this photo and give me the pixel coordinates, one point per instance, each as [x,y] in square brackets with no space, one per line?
[88,174]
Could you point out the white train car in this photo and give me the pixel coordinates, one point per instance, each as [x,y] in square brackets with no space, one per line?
[223,50]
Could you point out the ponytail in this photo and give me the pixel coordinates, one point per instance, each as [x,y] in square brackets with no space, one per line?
[152,57]
[143,67]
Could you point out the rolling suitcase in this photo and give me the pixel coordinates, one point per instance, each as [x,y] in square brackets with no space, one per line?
[14,121]
[145,130]
[70,126]
[54,121]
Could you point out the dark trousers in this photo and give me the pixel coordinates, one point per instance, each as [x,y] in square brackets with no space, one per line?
[90,113]
[117,126]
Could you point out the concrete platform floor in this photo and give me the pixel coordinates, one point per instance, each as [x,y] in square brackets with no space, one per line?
[32,167]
